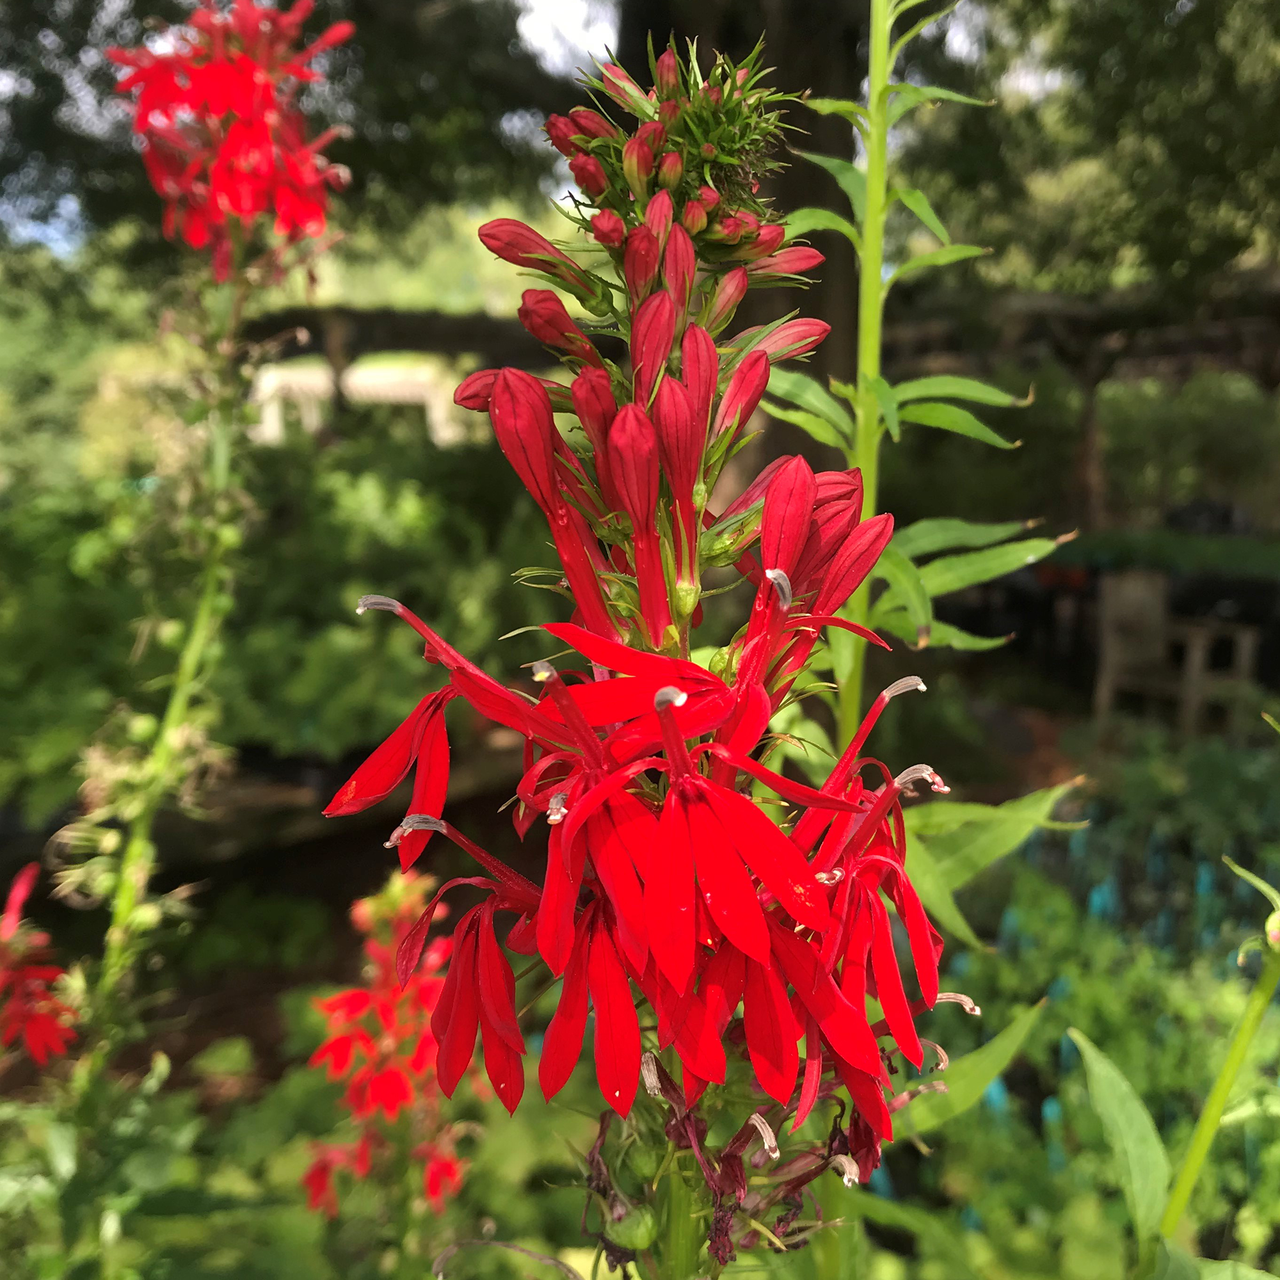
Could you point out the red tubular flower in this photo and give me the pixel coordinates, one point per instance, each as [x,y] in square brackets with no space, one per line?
[730,291]
[694,217]
[521,415]
[682,439]
[652,336]
[642,260]
[633,462]
[666,74]
[670,170]
[589,174]
[29,1011]
[476,390]
[522,246]
[221,135]
[766,240]
[624,90]
[441,1179]
[596,407]
[794,338]
[701,369]
[608,229]
[544,316]
[658,216]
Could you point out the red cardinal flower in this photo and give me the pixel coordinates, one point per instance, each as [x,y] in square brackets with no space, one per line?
[222,137]
[544,315]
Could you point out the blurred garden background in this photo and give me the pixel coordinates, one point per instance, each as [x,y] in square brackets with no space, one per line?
[1126,180]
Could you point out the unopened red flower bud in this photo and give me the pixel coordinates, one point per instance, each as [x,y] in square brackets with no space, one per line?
[708,150]
[608,229]
[476,390]
[652,337]
[679,266]
[624,90]
[522,246]
[724,302]
[659,216]
[592,123]
[765,241]
[727,230]
[713,92]
[669,113]
[670,170]
[742,395]
[637,166]
[709,196]
[795,338]
[561,130]
[641,263]
[544,315]
[653,135]
[667,74]
[595,406]
[694,218]
[792,261]
[589,174]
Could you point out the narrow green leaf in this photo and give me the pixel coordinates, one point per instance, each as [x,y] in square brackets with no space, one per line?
[818,428]
[940,816]
[966,851]
[950,417]
[888,406]
[919,204]
[951,387]
[945,636]
[906,590]
[937,898]
[854,112]
[905,97]
[969,568]
[930,1228]
[896,50]
[943,257]
[967,1078]
[928,537]
[805,221]
[1271,894]
[851,179]
[1131,1134]
[808,393]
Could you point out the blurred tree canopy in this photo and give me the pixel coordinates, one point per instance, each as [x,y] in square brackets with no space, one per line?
[443,98]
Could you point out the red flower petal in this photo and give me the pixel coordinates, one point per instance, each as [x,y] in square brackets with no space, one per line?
[771,1032]
[617,1040]
[562,1045]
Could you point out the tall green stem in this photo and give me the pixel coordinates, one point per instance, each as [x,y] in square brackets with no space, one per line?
[137,863]
[866,447]
[681,1241]
[1210,1118]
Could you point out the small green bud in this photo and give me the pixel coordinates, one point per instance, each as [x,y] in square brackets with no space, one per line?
[1273,931]
[644,1160]
[142,727]
[638,1230]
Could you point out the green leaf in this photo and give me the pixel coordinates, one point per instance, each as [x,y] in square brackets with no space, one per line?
[1271,894]
[906,591]
[1174,1263]
[937,898]
[808,393]
[969,568]
[943,257]
[896,49]
[850,110]
[60,1145]
[1132,1136]
[950,417]
[805,221]
[851,179]
[888,406]
[918,203]
[967,1078]
[1208,1269]
[968,849]
[929,1227]
[905,97]
[940,816]
[927,537]
[945,636]
[952,387]
[819,429]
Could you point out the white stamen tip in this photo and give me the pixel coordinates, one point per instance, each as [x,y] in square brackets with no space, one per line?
[766,1134]
[782,585]
[669,696]
[649,1075]
[908,684]
[956,997]
[829,877]
[556,808]
[847,1168]
[543,671]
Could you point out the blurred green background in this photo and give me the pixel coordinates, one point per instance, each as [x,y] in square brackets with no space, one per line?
[1128,183]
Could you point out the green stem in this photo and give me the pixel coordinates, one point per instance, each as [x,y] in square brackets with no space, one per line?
[680,1242]
[866,447]
[137,863]
[1207,1125]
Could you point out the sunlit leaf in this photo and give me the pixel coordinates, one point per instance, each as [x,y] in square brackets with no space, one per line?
[969,568]
[805,221]
[937,898]
[808,393]
[1131,1134]
[904,97]
[950,417]
[967,1078]
[817,427]
[930,1228]
[948,386]
[928,537]
[943,257]
[906,590]
[851,179]
[919,204]
[888,405]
